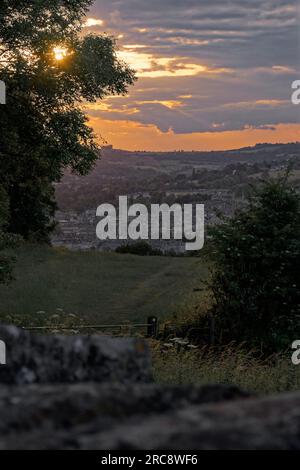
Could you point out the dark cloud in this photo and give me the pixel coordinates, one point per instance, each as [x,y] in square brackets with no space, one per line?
[256,41]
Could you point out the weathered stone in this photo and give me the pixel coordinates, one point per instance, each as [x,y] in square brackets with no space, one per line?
[145,416]
[271,423]
[35,358]
[63,416]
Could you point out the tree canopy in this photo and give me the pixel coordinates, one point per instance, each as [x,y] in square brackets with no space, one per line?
[43,127]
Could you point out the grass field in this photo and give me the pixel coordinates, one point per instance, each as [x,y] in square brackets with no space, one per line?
[101,287]
[114,288]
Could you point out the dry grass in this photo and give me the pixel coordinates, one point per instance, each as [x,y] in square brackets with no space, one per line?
[231,365]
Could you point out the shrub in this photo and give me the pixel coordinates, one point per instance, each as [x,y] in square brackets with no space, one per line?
[140,248]
[255,282]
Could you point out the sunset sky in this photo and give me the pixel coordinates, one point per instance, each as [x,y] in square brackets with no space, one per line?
[213,74]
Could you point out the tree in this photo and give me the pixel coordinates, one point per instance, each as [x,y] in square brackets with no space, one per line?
[50,70]
[256,277]
[7,241]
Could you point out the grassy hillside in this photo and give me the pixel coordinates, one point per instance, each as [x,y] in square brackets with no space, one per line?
[102,287]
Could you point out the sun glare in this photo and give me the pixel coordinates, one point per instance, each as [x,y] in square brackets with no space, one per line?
[60,52]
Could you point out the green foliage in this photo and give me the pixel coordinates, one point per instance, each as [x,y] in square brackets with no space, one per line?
[256,279]
[43,129]
[7,240]
[140,248]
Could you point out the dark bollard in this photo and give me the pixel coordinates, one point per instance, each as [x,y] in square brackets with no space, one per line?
[152,327]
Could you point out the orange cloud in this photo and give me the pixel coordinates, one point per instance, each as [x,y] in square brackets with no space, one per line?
[171,104]
[257,103]
[283,69]
[148,65]
[107,108]
[135,136]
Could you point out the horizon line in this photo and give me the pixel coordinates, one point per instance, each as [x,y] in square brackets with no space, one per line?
[261,144]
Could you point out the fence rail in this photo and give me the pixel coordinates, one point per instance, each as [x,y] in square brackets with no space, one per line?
[206,334]
[151,327]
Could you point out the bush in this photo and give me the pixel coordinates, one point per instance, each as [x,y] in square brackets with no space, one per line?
[255,283]
[140,248]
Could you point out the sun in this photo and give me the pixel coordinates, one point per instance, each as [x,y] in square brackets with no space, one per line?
[60,52]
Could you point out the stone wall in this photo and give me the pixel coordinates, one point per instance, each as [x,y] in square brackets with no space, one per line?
[95,392]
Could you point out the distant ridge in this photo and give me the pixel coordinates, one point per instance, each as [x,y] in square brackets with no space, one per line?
[259,146]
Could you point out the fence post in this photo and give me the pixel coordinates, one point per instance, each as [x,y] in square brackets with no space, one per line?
[212,331]
[152,327]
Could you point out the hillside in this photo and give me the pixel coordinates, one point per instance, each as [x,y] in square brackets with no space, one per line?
[156,177]
[98,287]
